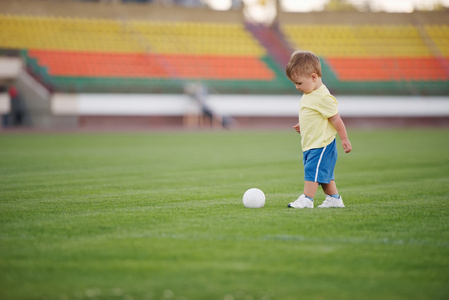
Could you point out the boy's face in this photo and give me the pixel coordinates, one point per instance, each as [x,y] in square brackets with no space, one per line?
[306,84]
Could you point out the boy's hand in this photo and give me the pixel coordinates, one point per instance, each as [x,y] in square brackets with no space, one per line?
[298,130]
[346,145]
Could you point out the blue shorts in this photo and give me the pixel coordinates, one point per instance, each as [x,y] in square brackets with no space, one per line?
[319,163]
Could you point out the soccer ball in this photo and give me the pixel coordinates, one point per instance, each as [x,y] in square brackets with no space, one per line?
[254,198]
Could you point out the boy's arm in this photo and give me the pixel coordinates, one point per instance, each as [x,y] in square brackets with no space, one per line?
[298,130]
[338,124]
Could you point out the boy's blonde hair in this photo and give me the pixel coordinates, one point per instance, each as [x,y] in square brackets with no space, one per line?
[303,63]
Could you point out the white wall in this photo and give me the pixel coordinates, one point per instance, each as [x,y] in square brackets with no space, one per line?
[241,105]
[10,67]
[5,103]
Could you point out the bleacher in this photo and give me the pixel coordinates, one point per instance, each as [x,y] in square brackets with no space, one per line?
[378,59]
[100,55]
[125,55]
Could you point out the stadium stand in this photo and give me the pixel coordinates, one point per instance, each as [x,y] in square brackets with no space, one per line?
[104,54]
[379,55]
[77,48]
[100,55]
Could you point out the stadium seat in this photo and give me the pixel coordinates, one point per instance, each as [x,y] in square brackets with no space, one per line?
[107,49]
[79,54]
[376,53]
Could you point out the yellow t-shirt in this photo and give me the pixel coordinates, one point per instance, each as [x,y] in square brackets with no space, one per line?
[314,111]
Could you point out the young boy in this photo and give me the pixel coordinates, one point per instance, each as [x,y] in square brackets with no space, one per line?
[319,122]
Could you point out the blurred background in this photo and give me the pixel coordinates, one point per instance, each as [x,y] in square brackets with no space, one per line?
[191,64]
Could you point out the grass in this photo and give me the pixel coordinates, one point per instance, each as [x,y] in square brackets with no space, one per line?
[160,216]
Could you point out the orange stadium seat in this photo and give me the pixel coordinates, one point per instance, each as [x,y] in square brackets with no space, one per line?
[69,63]
[386,69]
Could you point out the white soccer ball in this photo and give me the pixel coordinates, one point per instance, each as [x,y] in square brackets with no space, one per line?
[254,198]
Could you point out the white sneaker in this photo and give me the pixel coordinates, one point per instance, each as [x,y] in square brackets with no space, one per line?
[301,202]
[332,202]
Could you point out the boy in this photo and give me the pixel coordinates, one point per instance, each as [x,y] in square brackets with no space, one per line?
[319,122]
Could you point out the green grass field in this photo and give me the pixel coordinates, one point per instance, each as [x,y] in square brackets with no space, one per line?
[160,216]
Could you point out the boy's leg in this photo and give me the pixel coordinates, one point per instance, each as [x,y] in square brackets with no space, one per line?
[332,197]
[330,188]
[310,188]
[306,199]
